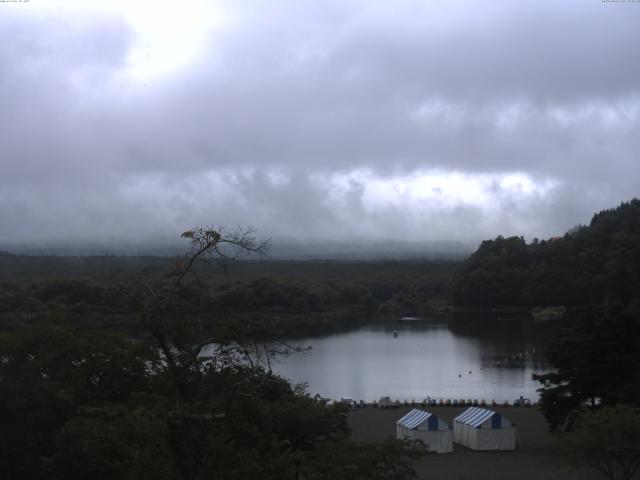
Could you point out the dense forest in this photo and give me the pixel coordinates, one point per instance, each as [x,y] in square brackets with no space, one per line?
[80,401]
[586,266]
[304,296]
[593,391]
[102,372]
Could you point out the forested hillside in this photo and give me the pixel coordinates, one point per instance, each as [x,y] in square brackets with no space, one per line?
[587,266]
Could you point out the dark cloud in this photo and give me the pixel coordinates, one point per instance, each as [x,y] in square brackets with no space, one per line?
[313,120]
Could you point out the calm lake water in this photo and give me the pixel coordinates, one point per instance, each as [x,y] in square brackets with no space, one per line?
[425,359]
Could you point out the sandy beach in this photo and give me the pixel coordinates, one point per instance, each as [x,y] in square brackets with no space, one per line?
[537,457]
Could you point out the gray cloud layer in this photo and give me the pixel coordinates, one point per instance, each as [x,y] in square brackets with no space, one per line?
[293,114]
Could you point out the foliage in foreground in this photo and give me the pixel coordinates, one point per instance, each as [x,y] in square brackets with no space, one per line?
[607,440]
[592,397]
[597,362]
[81,403]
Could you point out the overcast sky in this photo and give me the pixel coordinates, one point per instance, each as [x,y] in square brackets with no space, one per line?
[417,120]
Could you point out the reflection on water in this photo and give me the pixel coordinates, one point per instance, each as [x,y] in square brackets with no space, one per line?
[425,359]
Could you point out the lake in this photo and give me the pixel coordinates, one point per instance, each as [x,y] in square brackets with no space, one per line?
[426,358]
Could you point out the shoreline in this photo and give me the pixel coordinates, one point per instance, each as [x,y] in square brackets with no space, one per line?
[537,457]
[446,403]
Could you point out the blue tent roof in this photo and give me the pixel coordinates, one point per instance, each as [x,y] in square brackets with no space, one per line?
[475,416]
[416,417]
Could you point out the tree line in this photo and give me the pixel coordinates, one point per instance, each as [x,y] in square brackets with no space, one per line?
[586,266]
[316,297]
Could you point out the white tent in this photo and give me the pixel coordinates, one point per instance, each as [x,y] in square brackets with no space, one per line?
[482,429]
[425,426]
